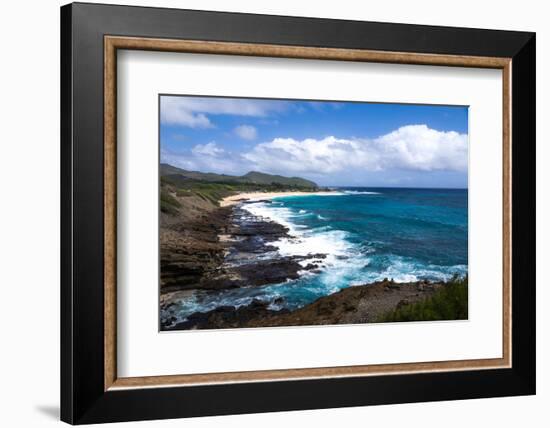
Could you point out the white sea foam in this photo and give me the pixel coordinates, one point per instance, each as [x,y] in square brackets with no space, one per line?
[404,270]
[342,260]
[278,214]
[345,261]
[332,242]
[302,242]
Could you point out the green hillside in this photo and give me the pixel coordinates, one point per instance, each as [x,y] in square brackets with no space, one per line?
[252,177]
[261,178]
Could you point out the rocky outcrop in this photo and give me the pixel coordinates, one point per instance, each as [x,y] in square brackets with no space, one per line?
[227,317]
[192,255]
[353,305]
[190,249]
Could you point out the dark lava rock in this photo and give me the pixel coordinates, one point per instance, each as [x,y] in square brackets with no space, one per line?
[197,260]
[269,271]
[228,316]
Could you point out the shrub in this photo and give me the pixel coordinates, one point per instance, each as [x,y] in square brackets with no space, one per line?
[450,302]
[168,204]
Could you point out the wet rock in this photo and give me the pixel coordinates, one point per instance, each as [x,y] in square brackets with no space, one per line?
[228,316]
[270,271]
[263,201]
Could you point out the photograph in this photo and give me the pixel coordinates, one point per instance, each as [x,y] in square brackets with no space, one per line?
[279,213]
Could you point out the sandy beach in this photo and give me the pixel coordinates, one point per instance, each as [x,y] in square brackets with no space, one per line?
[242,197]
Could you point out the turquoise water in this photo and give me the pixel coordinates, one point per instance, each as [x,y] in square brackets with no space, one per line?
[368,234]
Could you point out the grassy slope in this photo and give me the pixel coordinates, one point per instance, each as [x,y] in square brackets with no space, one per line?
[266,179]
[176,185]
[448,303]
[252,177]
[168,203]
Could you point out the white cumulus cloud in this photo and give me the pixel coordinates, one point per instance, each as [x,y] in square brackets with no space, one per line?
[192,111]
[210,149]
[172,113]
[204,157]
[246,132]
[411,147]
[418,147]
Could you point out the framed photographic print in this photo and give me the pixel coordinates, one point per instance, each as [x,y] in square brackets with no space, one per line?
[265,213]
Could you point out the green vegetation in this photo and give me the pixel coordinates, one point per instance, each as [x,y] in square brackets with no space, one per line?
[253,177]
[168,204]
[268,179]
[208,191]
[212,188]
[448,303]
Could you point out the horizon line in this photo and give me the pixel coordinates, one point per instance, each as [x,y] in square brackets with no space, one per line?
[398,187]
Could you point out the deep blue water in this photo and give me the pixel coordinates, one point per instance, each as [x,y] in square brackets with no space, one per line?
[368,233]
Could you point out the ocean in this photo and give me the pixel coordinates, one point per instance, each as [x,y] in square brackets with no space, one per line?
[367,234]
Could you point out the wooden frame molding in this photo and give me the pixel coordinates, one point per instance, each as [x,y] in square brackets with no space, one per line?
[113,43]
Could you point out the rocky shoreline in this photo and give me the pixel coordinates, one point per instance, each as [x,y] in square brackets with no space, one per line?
[228,248]
[353,305]
[223,250]
[220,249]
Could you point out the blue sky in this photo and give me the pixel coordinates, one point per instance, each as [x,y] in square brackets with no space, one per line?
[331,143]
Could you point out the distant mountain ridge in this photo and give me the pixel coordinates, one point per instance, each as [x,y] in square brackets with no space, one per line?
[252,177]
